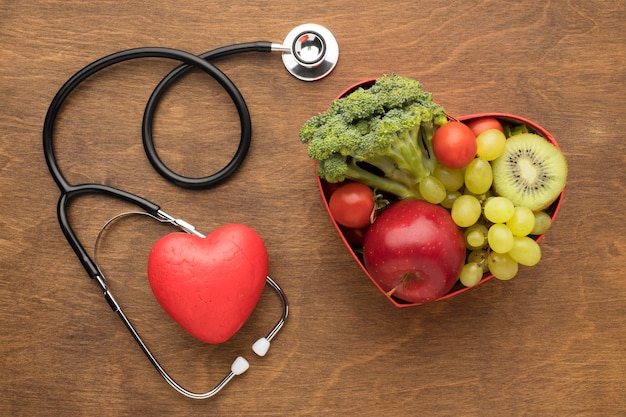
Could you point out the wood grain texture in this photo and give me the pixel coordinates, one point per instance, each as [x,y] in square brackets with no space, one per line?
[551,342]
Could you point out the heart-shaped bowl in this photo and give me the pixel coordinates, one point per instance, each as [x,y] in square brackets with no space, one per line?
[326,190]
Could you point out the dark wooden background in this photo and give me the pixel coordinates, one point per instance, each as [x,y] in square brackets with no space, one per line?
[551,342]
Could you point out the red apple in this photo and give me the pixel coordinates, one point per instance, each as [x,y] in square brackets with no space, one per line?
[414,251]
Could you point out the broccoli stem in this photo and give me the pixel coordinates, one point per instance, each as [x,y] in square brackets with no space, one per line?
[391,170]
[412,156]
[408,162]
[425,139]
[380,183]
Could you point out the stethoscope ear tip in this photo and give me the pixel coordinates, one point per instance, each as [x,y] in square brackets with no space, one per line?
[239,366]
[261,346]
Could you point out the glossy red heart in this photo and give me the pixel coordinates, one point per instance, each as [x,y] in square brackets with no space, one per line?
[211,285]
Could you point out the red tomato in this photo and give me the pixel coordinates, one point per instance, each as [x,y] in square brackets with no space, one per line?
[454,145]
[480,124]
[351,205]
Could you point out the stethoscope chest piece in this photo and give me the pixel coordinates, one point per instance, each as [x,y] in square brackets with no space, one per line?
[313,52]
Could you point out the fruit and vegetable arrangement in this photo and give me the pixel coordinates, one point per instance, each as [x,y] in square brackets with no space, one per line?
[431,205]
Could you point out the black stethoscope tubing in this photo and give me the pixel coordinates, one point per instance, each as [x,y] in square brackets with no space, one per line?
[70,191]
[244,116]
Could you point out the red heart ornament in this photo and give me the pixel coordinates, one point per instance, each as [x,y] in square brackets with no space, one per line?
[211,285]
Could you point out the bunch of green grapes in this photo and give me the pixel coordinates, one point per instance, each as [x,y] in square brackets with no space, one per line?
[500,238]
[497,233]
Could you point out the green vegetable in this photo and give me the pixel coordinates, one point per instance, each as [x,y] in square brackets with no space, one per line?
[380,136]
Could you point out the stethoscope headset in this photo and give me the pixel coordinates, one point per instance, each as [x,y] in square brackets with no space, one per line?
[309,53]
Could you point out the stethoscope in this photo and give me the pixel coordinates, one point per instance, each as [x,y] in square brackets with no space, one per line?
[309,53]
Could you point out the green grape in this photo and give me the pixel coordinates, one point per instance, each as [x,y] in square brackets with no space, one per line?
[500,238]
[522,222]
[480,257]
[478,176]
[502,266]
[475,236]
[451,178]
[471,274]
[466,210]
[449,200]
[490,144]
[543,221]
[482,198]
[525,251]
[499,209]
[432,190]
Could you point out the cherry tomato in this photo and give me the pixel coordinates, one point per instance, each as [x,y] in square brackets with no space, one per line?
[454,145]
[480,124]
[351,205]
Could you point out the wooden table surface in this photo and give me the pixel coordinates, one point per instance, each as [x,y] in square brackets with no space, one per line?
[551,342]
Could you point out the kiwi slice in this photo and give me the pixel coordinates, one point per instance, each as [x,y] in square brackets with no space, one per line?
[531,172]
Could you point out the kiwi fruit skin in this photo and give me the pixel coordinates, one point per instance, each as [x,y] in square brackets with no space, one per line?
[531,172]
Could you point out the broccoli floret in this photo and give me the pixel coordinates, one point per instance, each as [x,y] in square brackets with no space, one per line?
[380,136]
